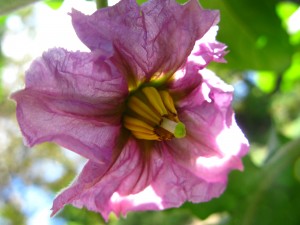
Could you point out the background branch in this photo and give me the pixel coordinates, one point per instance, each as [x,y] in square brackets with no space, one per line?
[101,4]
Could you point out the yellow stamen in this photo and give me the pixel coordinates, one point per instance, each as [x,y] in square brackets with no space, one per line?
[140,135]
[154,98]
[151,115]
[168,101]
[137,125]
[143,110]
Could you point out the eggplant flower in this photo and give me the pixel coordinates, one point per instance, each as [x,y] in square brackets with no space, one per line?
[156,127]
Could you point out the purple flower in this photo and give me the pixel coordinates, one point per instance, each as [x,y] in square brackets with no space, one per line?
[156,127]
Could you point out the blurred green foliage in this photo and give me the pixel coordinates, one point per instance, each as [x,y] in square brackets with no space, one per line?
[254,34]
[263,65]
[9,6]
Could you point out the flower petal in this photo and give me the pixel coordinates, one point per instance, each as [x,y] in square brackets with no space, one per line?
[72,99]
[151,38]
[184,81]
[83,75]
[214,142]
[171,186]
[99,185]
[176,184]
[206,50]
[127,186]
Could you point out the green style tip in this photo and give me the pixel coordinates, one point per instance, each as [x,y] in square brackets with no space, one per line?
[180,130]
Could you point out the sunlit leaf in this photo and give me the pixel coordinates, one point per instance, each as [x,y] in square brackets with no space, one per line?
[285,10]
[54,4]
[266,81]
[254,34]
[292,75]
[292,129]
[2,20]
[295,38]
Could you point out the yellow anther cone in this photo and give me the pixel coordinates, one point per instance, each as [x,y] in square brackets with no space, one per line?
[154,98]
[151,115]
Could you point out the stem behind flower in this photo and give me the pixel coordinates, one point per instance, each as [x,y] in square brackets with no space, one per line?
[101,4]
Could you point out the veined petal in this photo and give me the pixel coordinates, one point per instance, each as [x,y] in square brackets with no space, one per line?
[100,186]
[176,184]
[156,36]
[171,186]
[214,148]
[81,75]
[189,76]
[41,120]
[207,49]
[214,141]
[185,80]
[206,85]
[73,99]
[163,185]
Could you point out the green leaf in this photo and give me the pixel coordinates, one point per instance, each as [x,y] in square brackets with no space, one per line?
[266,81]
[141,1]
[285,10]
[2,21]
[291,75]
[54,4]
[167,217]
[292,129]
[101,4]
[254,34]
[181,1]
[276,190]
[9,6]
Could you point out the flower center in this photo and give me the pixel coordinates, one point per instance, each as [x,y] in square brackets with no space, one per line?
[151,115]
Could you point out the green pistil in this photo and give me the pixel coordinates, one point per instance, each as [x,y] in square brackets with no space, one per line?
[180,130]
[177,129]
